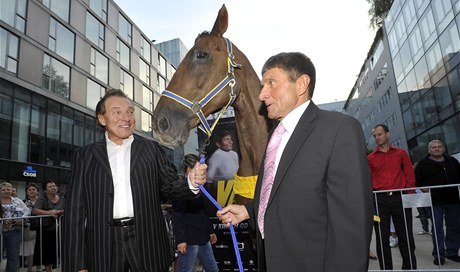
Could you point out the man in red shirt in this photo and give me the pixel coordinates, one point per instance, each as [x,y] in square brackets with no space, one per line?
[391,168]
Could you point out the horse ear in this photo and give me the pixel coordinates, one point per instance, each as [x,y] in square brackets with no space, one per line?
[221,23]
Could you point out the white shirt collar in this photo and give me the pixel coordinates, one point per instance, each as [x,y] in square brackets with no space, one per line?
[291,119]
[128,140]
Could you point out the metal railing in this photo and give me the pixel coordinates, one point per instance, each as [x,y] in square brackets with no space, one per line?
[25,223]
[425,260]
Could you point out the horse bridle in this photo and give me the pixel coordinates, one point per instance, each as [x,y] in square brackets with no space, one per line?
[197,107]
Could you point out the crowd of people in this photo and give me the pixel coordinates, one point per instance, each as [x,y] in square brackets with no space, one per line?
[21,242]
[391,170]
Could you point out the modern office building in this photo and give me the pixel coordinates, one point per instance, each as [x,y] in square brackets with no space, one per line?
[374,97]
[57,58]
[332,106]
[423,41]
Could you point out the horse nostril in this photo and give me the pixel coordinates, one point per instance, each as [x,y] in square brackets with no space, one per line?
[163,124]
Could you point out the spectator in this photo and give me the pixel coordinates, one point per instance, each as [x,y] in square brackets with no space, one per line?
[14,193]
[28,245]
[49,204]
[440,169]
[192,229]
[391,168]
[224,162]
[13,207]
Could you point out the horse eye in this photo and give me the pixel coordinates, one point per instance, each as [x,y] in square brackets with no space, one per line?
[200,55]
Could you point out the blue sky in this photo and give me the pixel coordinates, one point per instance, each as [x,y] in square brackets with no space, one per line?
[333,33]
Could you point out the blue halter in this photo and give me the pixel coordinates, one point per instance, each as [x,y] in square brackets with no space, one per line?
[197,107]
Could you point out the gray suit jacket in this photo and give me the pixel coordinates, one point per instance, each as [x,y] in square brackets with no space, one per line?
[89,206]
[320,213]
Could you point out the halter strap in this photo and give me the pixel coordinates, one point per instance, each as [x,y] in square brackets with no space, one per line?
[196,108]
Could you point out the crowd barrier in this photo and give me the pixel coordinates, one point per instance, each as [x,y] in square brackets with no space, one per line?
[423,243]
[25,225]
[409,201]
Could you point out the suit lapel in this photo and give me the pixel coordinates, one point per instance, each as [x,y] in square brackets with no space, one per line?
[100,153]
[136,150]
[298,138]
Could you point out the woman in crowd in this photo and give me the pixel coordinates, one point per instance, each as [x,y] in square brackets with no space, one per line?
[13,207]
[50,204]
[27,247]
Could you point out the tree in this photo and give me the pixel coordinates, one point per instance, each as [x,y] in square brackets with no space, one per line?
[378,12]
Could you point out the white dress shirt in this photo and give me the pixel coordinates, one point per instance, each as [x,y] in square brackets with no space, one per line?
[120,164]
[289,122]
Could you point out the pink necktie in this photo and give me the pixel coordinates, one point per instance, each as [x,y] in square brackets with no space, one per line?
[269,174]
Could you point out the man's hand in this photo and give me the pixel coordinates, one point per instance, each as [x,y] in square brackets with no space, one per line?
[233,214]
[198,175]
[182,248]
[213,238]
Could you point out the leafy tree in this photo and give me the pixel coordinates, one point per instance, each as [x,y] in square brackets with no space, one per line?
[378,12]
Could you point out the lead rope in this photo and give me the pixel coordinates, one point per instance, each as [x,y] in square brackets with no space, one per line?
[232,230]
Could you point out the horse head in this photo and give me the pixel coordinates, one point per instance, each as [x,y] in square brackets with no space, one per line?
[206,66]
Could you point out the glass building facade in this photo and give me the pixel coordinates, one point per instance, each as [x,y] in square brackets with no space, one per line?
[410,80]
[424,41]
[57,58]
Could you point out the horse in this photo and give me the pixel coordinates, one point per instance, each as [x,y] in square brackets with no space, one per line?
[212,75]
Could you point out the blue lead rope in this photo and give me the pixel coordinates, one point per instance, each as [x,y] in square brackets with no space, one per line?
[232,230]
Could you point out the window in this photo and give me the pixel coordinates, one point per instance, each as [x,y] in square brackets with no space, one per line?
[94,92]
[100,8]
[127,83]
[52,135]
[162,65]
[416,44]
[61,40]
[442,13]
[428,28]
[146,122]
[9,51]
[144,71]
[37,131]
[99,66]
[13,12]
[21,126]
[94,30]
[381,77]
[59,7]
[124,29]
[79,129]
[56,76]
[145,49]
[161,84]
[434,59]
[156,97]
[450,43]
[123,55]
[147,98]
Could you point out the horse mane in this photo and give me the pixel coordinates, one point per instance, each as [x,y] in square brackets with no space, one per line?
[202,34]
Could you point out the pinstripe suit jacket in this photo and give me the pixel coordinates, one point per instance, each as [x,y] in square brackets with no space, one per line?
[89,206]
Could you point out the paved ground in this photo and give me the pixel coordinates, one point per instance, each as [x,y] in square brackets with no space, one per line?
[424,246]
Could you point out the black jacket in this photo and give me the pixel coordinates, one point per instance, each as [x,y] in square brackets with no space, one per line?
[429,173]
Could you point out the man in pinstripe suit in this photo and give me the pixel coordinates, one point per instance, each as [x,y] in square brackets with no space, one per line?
[113,220]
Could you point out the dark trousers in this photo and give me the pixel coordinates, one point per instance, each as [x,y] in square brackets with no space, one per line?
[125,256]
[424,213]
[448,243]
[391,206]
